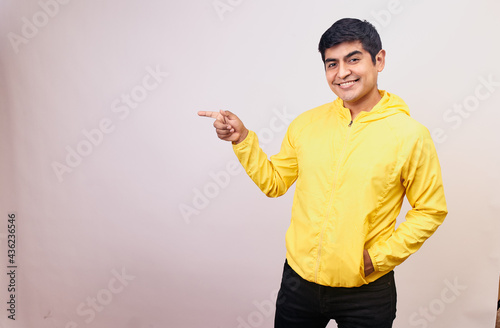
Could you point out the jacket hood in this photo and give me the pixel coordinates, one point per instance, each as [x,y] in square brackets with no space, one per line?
[389,105]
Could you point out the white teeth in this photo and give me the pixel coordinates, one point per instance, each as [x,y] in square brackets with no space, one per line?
[347,83]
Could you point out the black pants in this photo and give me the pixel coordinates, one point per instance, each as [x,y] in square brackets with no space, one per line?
[303,304]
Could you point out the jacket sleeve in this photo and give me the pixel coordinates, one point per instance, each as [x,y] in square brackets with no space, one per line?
[273,176]
[421,178]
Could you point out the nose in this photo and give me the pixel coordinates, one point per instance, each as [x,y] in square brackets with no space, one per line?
[344,71]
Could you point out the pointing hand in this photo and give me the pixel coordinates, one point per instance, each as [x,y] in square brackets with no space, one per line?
[227,125]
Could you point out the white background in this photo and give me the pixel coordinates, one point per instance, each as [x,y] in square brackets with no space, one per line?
[117,209]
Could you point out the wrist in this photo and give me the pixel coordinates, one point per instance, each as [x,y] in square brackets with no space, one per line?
[242,137]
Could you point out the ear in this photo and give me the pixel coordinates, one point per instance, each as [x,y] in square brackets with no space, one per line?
[380,60]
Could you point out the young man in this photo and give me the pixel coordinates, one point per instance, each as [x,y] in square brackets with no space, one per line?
[354,160]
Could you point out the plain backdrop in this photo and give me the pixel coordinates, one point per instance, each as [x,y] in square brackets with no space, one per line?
[130,213]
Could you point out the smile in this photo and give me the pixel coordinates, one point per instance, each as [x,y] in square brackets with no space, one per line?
[347,84]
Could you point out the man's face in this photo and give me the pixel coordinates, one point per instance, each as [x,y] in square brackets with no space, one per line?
[350,72]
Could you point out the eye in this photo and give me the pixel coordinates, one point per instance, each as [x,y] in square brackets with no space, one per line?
[331,65]
[353,60]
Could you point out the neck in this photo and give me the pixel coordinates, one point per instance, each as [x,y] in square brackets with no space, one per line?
[364,104]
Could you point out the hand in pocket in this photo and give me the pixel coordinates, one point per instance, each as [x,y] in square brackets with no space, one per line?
[368,263]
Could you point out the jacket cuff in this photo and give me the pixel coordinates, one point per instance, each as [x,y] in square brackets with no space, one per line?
[245,143]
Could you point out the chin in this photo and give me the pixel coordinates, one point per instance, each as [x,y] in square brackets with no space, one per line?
[348,97]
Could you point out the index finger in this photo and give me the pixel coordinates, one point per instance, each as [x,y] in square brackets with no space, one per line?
[208,114]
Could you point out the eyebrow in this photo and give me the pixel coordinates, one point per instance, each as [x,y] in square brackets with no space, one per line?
[352,53]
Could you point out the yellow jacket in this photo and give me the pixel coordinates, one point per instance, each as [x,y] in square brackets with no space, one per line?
[351,181]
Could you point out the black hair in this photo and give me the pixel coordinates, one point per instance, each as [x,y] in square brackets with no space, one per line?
[351,29]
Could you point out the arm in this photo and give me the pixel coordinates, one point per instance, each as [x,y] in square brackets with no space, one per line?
[274,176]
[421,178]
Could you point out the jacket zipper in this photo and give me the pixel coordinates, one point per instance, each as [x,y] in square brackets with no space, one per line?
[330,202]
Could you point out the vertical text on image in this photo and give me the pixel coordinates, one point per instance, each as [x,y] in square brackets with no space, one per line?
[11,265]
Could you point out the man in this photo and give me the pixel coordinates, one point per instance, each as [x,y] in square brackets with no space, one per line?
[354,160]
